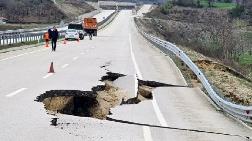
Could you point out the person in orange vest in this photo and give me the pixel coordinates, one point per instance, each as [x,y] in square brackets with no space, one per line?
[47,38]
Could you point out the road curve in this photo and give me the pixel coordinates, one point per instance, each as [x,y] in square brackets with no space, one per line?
[176,113]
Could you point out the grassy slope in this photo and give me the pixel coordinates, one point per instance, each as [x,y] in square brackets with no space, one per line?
[220,5]
[245,59]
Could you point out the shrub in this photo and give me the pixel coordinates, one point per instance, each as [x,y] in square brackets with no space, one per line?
[166,7]
[237,11]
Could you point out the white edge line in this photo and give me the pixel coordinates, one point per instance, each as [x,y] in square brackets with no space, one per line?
[183,78]
[146,129]
[240,121]
[139,75]
[147,133]
[16,92]
[168,57]
[136,85]
[48,75]
[158,113]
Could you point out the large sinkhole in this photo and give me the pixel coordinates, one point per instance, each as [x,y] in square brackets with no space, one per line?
[72,102]
[97,102]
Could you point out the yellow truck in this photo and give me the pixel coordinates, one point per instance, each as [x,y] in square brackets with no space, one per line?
[90,26]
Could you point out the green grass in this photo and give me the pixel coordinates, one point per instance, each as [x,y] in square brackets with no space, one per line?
[248,35]
[220,5]
[245,59]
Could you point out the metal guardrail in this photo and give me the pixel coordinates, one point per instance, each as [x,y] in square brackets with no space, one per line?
[240,112]
[8,39]
[109,19]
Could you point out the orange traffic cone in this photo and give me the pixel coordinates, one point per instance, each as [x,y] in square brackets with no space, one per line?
[47,44]
[51,70]
[64,41]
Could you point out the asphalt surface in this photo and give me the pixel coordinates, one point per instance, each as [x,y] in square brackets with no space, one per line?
[175,113]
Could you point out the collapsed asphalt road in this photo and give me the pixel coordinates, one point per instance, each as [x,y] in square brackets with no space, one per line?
[97,102]
[78,67]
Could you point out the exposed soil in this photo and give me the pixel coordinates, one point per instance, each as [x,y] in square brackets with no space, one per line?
[98,102]
[231,84]
[227,82]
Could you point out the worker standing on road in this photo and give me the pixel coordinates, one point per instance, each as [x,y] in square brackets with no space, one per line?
[90,34]
[54,36]
[46,38]
[50,33]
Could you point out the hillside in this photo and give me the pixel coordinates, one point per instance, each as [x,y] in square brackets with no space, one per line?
[42,11]
[219,44]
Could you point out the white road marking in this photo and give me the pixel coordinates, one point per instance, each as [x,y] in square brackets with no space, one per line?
[48,75]
[16,92]
[12,57]
[160,116]
[139,75]
[147,133]
[136,85]
[82,53]
[75,58]
[161,119]
[64,66]
[146,129]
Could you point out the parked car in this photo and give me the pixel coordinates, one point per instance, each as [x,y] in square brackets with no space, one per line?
[79,28]
[72,34]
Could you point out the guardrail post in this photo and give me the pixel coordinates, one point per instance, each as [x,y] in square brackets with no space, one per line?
[12,39]
[7,39]
[40,37]
[20,38]
[16,37]
[3,39]
[24,37]
[0,40]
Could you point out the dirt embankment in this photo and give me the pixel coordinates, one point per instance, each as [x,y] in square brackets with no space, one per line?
[42,11]
[229,83]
